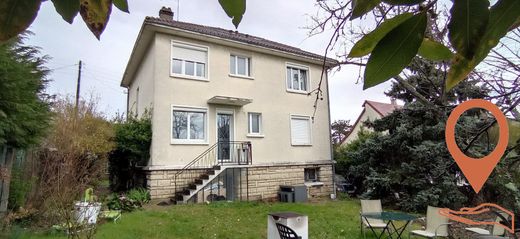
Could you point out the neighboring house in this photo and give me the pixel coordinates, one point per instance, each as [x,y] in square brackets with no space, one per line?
[231,113]
[372,110]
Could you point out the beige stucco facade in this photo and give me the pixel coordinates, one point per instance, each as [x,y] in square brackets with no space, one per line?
[266,88]
[152,86]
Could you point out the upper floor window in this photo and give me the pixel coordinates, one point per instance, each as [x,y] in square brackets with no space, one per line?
[189,60]
[297,78]
[188,125]
[239,65]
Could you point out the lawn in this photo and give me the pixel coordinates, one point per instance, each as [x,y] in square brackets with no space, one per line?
[328,219]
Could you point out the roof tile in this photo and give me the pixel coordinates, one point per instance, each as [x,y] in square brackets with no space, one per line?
[235,36]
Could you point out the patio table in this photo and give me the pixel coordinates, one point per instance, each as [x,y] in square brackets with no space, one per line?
[389,217]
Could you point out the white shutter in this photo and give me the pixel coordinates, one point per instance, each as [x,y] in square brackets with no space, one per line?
[189,53]
[300,131]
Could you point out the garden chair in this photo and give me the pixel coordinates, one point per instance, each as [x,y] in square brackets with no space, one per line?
[495,231]
[286,232]
[368,206]
[436,225]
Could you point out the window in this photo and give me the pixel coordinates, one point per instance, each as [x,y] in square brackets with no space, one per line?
[300,130]
[297,79]
[239,65]
[188,125]
[189,60]
[255,123]
[311,174]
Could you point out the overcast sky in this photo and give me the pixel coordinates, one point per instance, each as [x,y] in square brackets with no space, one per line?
[104,61]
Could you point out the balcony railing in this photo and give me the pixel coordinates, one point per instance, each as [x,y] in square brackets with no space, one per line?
[211,160]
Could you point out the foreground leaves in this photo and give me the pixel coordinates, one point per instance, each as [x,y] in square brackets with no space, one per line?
[395,51]
[366,44]
[361,7]
[502,16]
[235,9]
[68,9]
[16,16]
[96,13]
[403,2]
[122,5]
[468,22]
[434,51]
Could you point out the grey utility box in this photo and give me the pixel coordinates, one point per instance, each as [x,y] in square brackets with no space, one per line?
[296,193]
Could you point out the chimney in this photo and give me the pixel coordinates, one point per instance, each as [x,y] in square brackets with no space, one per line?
[393,101]
[166,13]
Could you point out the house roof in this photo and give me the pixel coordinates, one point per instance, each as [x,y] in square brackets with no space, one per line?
[215,34]
[234,36]
[382,109]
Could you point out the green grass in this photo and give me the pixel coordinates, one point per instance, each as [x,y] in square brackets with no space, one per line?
[329,219]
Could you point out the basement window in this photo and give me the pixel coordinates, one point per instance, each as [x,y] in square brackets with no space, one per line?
[311,174]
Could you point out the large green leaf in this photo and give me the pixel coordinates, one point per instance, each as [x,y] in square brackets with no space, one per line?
[235,9]
[96,13]
[516,24]
[122,5]
[395,51]
[68,9]
[403,2]
[366,44]
[361,7]
[434,51]
[468,22]
[16,16]
[502,16]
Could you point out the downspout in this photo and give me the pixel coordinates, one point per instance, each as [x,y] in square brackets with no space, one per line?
[333,195]
[127,100]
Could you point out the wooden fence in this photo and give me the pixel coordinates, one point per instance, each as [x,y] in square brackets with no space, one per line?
[7,155]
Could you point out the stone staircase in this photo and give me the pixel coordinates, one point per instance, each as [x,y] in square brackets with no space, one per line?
[187,193]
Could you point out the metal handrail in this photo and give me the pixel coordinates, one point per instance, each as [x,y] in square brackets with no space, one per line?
[211,158]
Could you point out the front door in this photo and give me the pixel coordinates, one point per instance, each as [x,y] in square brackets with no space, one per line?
[224,136]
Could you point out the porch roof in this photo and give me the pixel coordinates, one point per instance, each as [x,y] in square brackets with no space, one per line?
[227,100]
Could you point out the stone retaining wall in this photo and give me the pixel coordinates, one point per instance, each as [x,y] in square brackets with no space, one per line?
[264,181]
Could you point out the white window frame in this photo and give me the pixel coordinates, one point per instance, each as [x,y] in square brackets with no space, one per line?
[304,117]
[300,67]
[250,124]
[248,66]
[183,70]
[194,110]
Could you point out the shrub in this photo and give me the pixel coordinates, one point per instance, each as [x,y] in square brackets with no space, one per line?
[129,201]
[133,138]
[140,195]
[72,159]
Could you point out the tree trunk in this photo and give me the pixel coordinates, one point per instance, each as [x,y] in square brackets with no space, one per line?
[7,155]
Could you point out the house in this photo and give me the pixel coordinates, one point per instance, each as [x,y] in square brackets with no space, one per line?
[372,110]
[232,114]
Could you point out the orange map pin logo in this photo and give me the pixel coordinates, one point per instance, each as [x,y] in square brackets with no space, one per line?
[476,170]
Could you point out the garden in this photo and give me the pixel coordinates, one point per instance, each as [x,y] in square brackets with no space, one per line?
[60,155]
[327,219]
